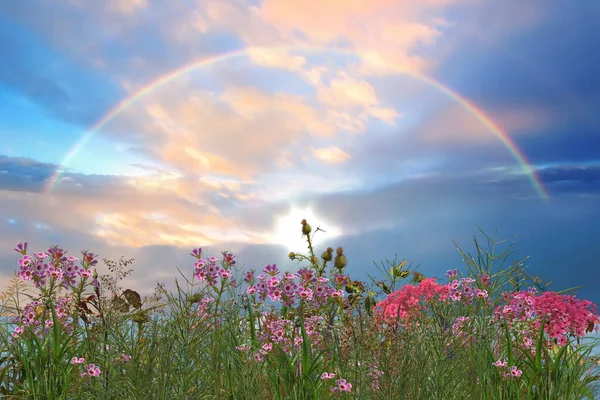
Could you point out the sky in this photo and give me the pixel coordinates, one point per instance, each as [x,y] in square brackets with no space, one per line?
[148,128]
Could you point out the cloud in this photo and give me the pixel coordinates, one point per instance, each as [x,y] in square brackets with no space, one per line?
[331,154]
[453,124]
[24,174]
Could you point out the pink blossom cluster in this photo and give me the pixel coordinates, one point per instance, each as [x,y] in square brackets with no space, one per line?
[90,370]
[405,304]
[374,373]
[459,331]
[285,334]
[33,316]
[464,288]
[54,265]
[341,386]
[289,288]
[203,309]
[208,270]
[565,315]
[511,372]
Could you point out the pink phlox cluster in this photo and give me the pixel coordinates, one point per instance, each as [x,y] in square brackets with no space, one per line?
[464,289]
[54,265]
[341,386]
[208,270]
[406,303]
[510,372]
[91,370]
[565,315]
[286,335]
[34,319]
[203,309]
[460,331]
[289,288]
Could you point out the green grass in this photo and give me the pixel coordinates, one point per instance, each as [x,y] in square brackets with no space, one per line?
[162,347]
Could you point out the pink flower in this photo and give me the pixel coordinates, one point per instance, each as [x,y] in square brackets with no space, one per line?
[92,370]
[403,304]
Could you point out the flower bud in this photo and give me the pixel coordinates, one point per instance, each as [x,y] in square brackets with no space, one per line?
[292,255]
[306,229]
[340,262]
[327,254]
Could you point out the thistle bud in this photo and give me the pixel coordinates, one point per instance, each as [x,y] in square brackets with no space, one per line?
[340,262]
[339,251]
[292,255]
[306,229]
[327,254]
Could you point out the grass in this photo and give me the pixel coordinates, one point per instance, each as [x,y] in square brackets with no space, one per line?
[231,334]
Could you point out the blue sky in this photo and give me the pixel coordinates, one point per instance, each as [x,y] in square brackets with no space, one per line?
[232,155]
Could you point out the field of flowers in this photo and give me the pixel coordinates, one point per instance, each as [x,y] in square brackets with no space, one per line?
[490,332]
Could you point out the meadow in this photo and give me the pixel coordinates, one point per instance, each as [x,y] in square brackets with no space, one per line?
[486,331]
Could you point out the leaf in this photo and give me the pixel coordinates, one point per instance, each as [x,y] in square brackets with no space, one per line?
[120,304]
[355,287]
[133,298]
[141,317]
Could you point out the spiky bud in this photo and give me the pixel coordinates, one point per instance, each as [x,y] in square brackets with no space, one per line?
[306,229]
[327,254]
[292,255]
[340,262]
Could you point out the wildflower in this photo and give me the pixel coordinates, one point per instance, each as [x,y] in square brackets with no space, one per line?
[18,331]
[341,386]
[76,360]
[326,376]
[271,269]
[21,248]
[485,279]
[196,253]
[451,274]
[403,303]
[243,348]
[92,370]
[249,276]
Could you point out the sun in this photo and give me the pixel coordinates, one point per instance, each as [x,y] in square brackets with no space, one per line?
[288,230]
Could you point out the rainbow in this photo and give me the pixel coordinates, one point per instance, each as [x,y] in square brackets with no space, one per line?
[168,77]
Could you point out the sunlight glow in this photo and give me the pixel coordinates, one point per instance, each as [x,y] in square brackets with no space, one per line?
[288,231]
